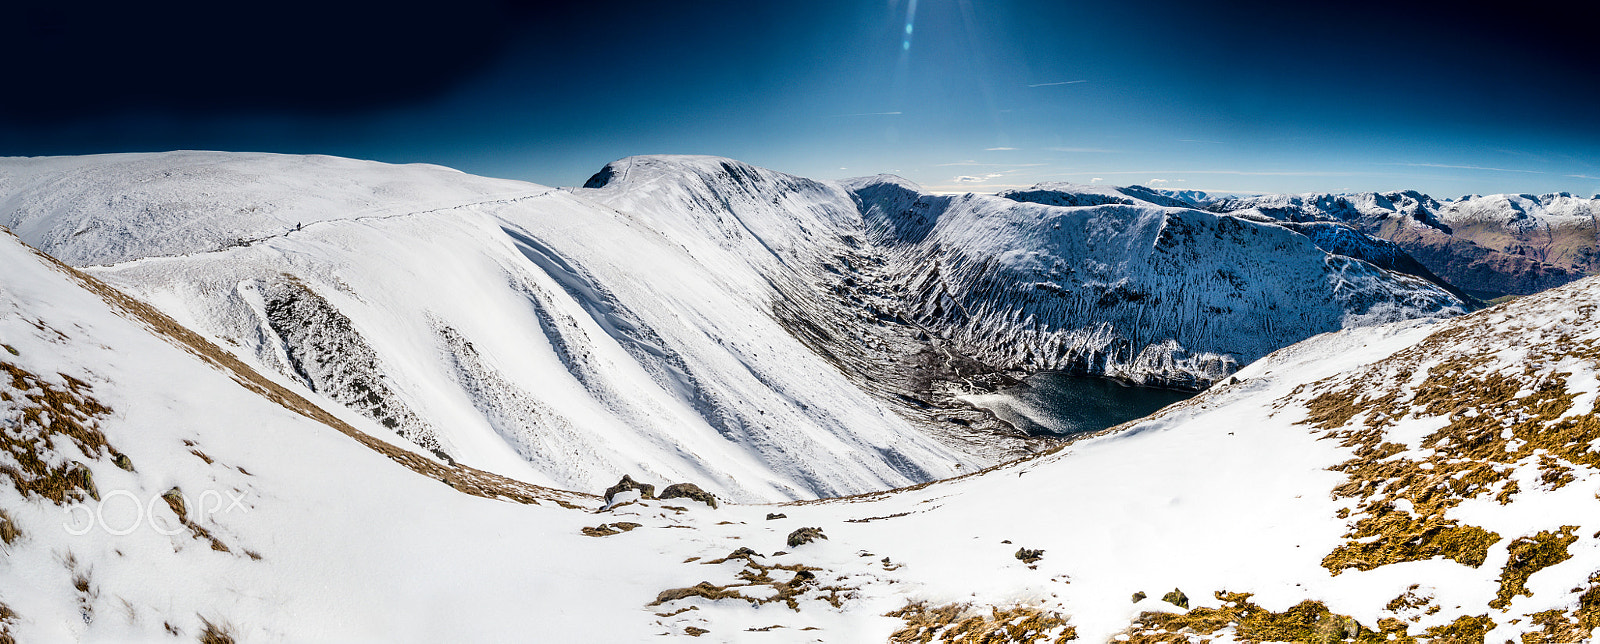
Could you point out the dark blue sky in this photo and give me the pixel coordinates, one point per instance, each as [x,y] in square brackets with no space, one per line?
[956,94]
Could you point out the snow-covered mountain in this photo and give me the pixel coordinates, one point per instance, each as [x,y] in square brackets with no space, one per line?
[1489,245]
[685,318]
[1057,193]
[1145,291]
[1492,245]
[1417,480]
[500,324]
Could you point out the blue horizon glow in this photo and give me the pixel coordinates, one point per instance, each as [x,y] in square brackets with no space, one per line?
[957,95]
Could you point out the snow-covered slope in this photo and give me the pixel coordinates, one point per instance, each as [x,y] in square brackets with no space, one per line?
[532,333]
[1126,288]
[1341,232]
[1057,193]
[1423,479]
[1420,479]
[153,488]
[684,317]
[1491,245]
[108,209]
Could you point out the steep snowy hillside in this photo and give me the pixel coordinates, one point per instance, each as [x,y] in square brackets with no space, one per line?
[1489,245]
[152,487]
[680,317]
[1139,291]
[1424,480]
[803,246]
[1433,481]
[535,334]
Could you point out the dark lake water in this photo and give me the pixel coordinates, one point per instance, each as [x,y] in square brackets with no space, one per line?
[1058,404]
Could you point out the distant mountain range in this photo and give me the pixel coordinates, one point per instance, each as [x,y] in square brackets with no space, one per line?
[1489,246]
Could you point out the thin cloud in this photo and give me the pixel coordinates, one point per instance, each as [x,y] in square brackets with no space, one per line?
[1247,173]
[1089,150]
[868,114]
[969,179]
[1096,180]
[1464,167]
[1071,82]
[1582,176]
[971,163]
[996,149]
[964,188]
[1199,141]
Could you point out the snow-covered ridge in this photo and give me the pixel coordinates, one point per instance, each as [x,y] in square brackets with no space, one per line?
[1079,194]
[687,318]
[1491,245]
[1154,294]
[540,335]
[178,203]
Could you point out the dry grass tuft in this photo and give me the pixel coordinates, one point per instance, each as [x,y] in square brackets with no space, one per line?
[1530,555]
[1243,620]
[803,584]
[215,634]
[1574,625]
[608,529]
[174,499]
[9,532]
[47,418]
[968,624]
[8,617]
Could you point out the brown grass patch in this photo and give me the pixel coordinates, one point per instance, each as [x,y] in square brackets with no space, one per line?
[608,529]
[214,633]
[9,532]
[1308,621]
[47,418]
[1500,416]
[8,618]
[789,589]
[1530,555]
[968,624]
[1574,625]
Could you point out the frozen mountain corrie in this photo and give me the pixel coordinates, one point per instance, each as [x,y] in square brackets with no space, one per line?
[1106,284]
